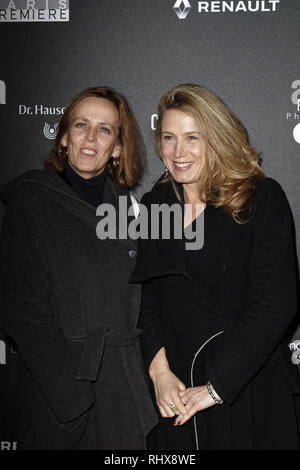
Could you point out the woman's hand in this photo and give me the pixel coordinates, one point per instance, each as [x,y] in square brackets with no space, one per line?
[167,386]
[167,391]
[195,399]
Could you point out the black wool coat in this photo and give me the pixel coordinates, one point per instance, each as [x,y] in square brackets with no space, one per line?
[246,275]
[67,304]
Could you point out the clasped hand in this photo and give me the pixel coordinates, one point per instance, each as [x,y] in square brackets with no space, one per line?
[169,390]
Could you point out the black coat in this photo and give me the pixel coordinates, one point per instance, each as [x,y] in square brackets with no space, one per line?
[246,276]
[67,304]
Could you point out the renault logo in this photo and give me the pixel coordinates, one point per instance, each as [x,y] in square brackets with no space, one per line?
[182,8]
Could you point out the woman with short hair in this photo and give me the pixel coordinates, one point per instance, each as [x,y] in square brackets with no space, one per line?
[66,299]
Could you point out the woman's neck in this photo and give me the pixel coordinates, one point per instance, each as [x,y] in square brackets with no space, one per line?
[191,194]
[193,204]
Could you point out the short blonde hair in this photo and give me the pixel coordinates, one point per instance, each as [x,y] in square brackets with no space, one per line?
[231,167]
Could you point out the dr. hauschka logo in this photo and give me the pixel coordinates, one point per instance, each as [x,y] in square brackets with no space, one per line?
[2,352]
[294,115]
[182,8]
[50,131]
[40,109]
[2,92]
[34,10]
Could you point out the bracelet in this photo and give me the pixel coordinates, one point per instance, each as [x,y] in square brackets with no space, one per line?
[208,386]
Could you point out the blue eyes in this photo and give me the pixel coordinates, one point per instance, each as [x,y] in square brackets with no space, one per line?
[170,138]
[82,125]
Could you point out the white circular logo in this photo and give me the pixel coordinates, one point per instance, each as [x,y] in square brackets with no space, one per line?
[296,133]
[296,357]
[295,347]
[50,131]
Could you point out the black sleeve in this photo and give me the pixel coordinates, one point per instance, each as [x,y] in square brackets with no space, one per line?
[261,326]
[150,323]
[27,313]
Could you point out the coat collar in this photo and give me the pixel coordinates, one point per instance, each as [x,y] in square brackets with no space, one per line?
[158,257]
[59,191]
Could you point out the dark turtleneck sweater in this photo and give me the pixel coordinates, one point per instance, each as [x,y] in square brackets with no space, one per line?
[90,190]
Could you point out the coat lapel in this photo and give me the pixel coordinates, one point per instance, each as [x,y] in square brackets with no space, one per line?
[205,267]
[112,194]
[56,188]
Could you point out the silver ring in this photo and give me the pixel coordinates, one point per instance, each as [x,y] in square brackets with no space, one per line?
[173,408]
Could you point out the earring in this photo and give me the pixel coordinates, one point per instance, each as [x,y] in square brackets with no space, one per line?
[115,162]
[62,150]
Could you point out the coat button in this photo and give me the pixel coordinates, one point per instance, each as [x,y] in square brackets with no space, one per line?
[132,253]
[224,268]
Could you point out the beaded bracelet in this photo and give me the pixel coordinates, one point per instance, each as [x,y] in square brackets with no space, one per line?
[208,385]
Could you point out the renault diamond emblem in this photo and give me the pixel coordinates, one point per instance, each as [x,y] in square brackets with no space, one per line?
[182,8]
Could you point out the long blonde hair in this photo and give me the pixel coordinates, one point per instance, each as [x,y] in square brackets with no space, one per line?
[231,167]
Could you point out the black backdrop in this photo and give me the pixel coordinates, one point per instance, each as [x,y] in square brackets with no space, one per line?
[142,47]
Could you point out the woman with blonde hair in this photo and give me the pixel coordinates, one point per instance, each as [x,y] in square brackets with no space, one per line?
[214,319]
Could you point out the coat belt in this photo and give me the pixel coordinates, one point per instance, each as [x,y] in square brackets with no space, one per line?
[90,366]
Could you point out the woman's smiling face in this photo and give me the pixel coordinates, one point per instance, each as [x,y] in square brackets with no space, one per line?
[93,136]
[182,146]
